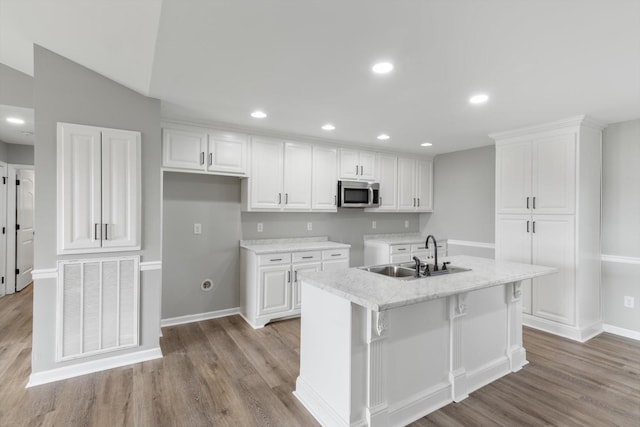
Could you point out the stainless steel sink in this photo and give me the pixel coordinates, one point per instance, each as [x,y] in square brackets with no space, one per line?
[407,271]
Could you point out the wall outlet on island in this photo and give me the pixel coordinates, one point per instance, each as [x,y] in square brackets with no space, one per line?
[629,302]
[373,225]
[260,227]
[406,224]
[309,226]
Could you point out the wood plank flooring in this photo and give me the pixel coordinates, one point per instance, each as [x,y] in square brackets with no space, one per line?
[223,373]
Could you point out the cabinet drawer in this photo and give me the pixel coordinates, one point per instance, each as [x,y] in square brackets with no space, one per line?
[335,254]
[307,256]
[400,249]
[273,259]
[418,247]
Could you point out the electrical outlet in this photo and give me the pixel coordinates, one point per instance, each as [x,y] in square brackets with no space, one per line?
[260,227]
[309,226]
[406,224]
[197,228]
[629,302]
[373,225]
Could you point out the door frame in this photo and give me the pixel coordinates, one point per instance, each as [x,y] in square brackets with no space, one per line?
[3,222]
[10,283]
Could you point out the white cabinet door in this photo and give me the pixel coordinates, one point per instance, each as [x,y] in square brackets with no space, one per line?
[388,179]
[324,180]
[297,176]
[553,246]
[406,184]
[513,243]
[274,294]
[349,164]
[266,173]
[79,194]
[335,264]
[554,174]
[227,153]
[424,185]
[184,149]
[301,268]
[513,178]
[120,189]
[367,162]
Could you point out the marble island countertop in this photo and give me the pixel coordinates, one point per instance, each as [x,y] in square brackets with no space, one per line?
[267,246]
[379,293]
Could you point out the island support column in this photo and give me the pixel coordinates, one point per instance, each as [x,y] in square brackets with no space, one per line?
[377,405]
[515,351]
[457,372]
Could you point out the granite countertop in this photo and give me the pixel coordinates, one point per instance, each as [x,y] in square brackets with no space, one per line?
[267,246]
[379,293]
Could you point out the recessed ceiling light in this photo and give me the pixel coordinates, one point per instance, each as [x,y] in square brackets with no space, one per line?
[383,136]
[15,120]
[426,144]
[382,67]
[328,126]
[480,98]
[258,115]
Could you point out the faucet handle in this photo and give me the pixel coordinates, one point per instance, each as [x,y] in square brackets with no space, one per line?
[444,264]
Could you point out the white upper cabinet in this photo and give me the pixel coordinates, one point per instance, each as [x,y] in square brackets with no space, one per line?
[537,175]
[297,176]
[267,174]
[388,179]
[98,189]
[206,151]
[415,185]
[324,191]
[357,165]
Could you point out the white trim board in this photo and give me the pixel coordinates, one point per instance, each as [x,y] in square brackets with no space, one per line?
[471,244]
[76,370]
[150,265]
[619,259]
[189,318]
[52,273]
[627,333]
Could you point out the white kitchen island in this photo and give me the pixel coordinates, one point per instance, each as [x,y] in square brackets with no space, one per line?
[380,351]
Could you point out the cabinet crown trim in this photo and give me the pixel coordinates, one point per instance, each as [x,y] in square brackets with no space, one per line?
[582,120]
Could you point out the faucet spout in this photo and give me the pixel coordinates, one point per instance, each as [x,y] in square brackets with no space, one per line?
[435,250]
[417,260]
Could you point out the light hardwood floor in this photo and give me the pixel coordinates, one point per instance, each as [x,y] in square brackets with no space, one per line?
[223,373]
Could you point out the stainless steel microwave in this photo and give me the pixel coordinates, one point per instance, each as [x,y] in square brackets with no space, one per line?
[358,194]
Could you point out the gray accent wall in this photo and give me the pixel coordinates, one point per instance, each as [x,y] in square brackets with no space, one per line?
[16,154]
[67,92]
[621,222]
[16,88]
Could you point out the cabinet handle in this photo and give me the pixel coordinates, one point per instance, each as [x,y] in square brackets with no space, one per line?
[418,201]
[335,254]
[402,249]
[335,200]
[361,170]
[534,203]
[307,257]
[527,225]
[279,198]
[210,159]
[527,202]
[286,198]
[288,276]
[202,158]
[533,227]
[379,201]
[276,259]
[356,169]
[296,278]
[106,232]
[95,231]
[414,202]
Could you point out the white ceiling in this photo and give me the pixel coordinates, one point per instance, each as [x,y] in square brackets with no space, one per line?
[307,63]
[15,133]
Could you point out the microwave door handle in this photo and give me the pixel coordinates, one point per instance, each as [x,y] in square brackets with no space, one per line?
[370,196]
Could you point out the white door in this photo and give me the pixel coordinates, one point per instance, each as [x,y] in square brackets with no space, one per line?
[367,165]
[275,290]
[3,228]
[513,243]
[297,176]
[324,190]
[513,178]
[184,149]
[553,246]
[349,164]
[424,186]
[79,187]
[267,167]
[227,153]
[297,295]
[120,189]
[406,184]
[388,178]
[554,174]
[24,225]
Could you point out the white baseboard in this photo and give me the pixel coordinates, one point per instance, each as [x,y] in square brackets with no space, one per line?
[417,406]
[566,331]
[318,407]
[76,370]
[627,333]
[487,373]
[189,318]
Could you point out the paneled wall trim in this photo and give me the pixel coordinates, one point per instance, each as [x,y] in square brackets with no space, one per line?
[52,273]
[620,259]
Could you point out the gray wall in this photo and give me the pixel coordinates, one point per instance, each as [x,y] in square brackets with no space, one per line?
[621,222]
[16,88]
[188,259]
[464,198]
[16,154]
[67,92]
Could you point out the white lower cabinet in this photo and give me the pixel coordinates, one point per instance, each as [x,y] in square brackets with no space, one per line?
[378,252]
[271,282]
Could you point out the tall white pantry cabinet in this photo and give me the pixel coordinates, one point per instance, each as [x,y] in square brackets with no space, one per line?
[548,213]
